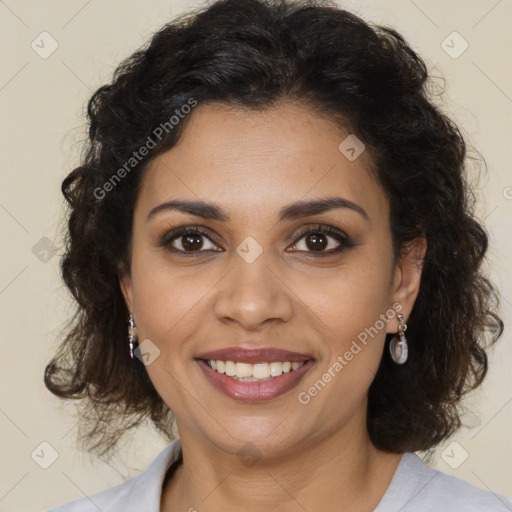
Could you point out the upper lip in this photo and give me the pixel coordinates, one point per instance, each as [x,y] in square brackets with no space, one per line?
[254,355]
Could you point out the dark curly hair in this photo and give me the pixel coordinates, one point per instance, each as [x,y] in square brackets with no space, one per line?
[255,54]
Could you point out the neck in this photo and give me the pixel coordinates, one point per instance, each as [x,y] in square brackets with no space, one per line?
[338,472]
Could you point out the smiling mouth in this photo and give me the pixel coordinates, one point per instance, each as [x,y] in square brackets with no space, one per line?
[257,372]
[256,380]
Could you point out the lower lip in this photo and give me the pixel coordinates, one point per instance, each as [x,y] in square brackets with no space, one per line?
[254,391]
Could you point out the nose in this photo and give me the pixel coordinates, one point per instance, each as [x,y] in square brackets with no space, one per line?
[253,295]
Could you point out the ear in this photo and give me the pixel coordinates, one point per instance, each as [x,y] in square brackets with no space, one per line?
[406,281]
[125,283]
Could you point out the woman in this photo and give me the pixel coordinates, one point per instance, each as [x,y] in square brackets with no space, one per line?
[273,205]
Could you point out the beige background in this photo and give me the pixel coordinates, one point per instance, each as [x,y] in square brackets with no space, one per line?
[42,103]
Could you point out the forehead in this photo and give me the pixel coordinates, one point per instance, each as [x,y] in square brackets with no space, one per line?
[256,161]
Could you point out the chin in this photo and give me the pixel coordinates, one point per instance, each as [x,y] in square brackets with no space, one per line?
[257,438]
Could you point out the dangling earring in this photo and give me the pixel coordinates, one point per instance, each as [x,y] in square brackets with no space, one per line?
[398,344]
[132,334]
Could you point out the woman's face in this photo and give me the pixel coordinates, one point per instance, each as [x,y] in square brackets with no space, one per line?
[254,281]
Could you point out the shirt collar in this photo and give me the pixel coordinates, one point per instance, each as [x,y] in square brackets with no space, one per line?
[145,491]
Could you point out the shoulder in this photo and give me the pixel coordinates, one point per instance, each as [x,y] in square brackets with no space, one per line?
[140,492]
[451,493]
[107,500]
[418,488]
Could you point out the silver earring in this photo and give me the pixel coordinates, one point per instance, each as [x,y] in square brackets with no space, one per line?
[132,334]
[398,344]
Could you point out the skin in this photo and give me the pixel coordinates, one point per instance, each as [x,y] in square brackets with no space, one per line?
[315,456]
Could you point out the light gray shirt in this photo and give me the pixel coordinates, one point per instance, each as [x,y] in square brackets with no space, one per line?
[414,488]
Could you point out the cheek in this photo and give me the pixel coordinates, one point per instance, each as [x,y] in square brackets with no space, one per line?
[170,304]
[350,298]
[170,307]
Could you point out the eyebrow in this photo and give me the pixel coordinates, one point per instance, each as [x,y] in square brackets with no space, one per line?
[296,210]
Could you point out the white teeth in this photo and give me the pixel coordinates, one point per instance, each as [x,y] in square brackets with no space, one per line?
[254,372]
[230,369]
[243,370]
[276,369]
[260,371]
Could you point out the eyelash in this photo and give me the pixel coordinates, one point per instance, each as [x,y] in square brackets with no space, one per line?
[340,236]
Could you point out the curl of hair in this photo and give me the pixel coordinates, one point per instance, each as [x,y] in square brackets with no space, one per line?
[255,54]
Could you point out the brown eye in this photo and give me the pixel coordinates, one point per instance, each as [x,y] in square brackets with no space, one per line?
[322,241]
[316,241]
[188,241]
[191,242]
